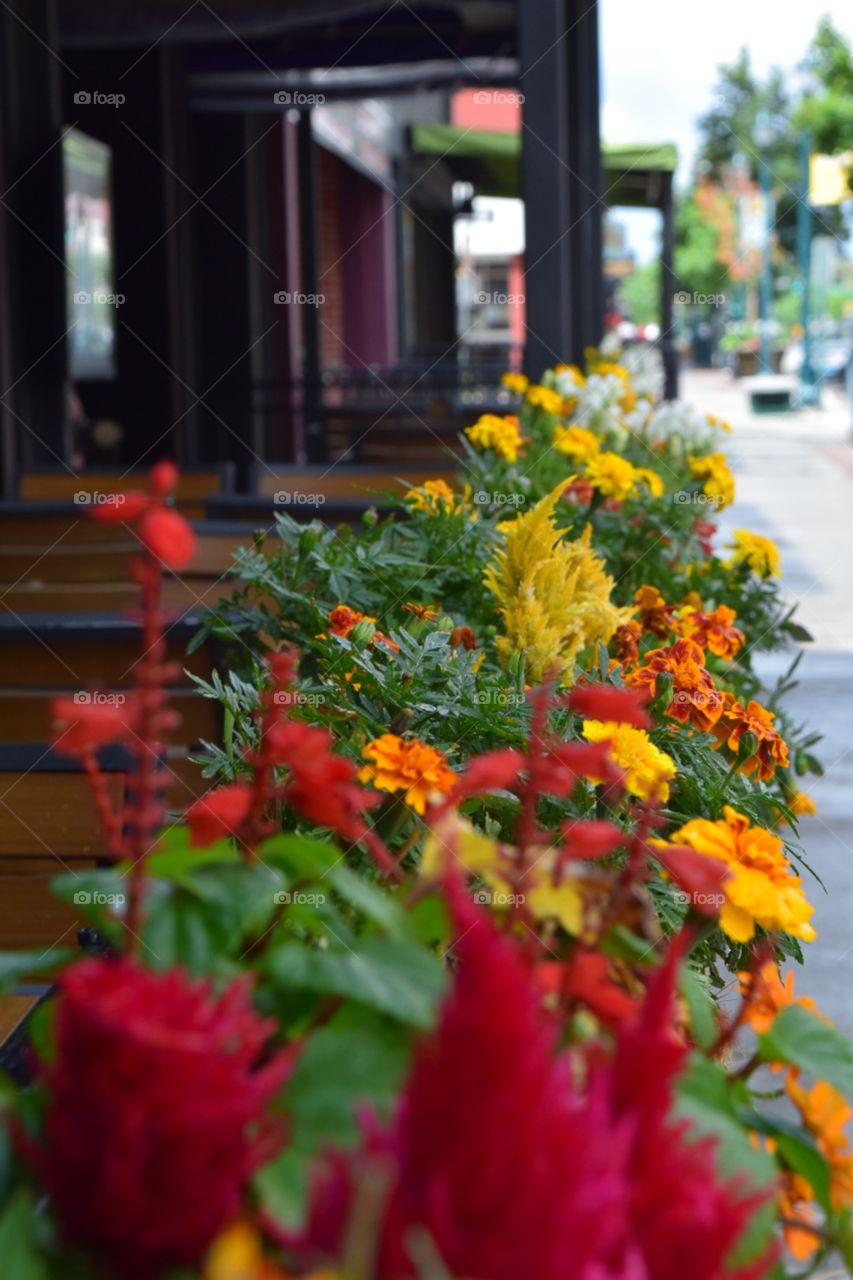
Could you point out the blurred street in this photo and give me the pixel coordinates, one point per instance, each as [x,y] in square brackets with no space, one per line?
[795,484]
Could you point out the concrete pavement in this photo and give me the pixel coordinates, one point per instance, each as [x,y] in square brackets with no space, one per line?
[794,476]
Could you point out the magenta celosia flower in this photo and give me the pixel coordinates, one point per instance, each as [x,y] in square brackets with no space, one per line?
[504,1165]
[155,1113]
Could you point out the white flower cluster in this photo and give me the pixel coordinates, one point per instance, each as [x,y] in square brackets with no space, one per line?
[680,423]
[645,365]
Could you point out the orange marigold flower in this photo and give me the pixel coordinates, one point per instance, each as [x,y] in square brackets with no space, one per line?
[463,636]
[768,995]
[415,768]
[656,615]
[424,612]
[343,621]
[627,643]
[801,804]
[736,720]
[825,1113]
[696,700]
[713,631]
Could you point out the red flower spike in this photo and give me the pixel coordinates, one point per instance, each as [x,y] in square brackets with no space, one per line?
[611,1187]
[493,771]
[701,878]
[155,1116]
[561,768]
[84,721]
[607,702]
[591,839]
[164,478]
[125,508]
[168,537]
[588,981]
[218,814]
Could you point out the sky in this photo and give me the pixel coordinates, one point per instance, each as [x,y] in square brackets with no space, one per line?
[659,64]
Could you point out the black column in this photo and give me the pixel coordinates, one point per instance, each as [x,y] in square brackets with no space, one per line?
[32,271]
[585,180]
[315,444]
[561,179]
[668,349]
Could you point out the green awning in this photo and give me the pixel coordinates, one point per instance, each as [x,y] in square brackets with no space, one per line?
[490,161]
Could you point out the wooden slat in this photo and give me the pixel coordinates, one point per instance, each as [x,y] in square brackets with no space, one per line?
[185,596]
[13,1011]
[25,714]
[55,659]
[342,482]
[193,487]
[51,813]
[30,916]
[65,563]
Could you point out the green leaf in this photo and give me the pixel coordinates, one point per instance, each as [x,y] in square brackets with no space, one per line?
[17,1246]
[803,1040]
[797,631]
[398,978]
[282,1187]
[174,855]
[701,1007]
[304,856]
[373,901]
[704,1097]
[17,965]
[180,930]
[244,895]
[322,1098]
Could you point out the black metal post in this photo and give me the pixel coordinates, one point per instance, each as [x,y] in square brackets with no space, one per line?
[545,183]
[315,441]
[33,318]
[586,297]
[669,352]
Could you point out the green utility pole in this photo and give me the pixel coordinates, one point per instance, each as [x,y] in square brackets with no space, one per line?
[809,385]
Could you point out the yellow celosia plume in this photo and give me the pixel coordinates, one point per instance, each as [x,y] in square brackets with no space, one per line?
[553,595]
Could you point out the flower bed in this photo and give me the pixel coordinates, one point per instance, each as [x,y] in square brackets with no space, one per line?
[429,984]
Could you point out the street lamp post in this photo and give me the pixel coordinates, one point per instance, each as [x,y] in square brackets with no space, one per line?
[809,385]
[763,134]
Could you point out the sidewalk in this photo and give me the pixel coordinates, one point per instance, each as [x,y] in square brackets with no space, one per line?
[795,483]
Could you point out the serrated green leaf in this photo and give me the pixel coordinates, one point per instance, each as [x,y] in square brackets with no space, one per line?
[803,1040]
[398,978]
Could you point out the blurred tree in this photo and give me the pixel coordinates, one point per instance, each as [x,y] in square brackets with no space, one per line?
[828,110]
[640,293]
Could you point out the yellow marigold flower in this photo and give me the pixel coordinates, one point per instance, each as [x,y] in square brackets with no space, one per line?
[237,1254]
[718,483]
[576,442]
[515,382]
[435,497]
[759,553]
[481,856]
[574,372]
[761,888]
[648,770]
[413,767]
[651,480]
[545,398]
[801,804]
[553,595]
[501,434]
[612,475]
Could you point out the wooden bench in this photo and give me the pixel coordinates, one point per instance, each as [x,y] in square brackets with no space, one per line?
[194,487]
[343,481]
